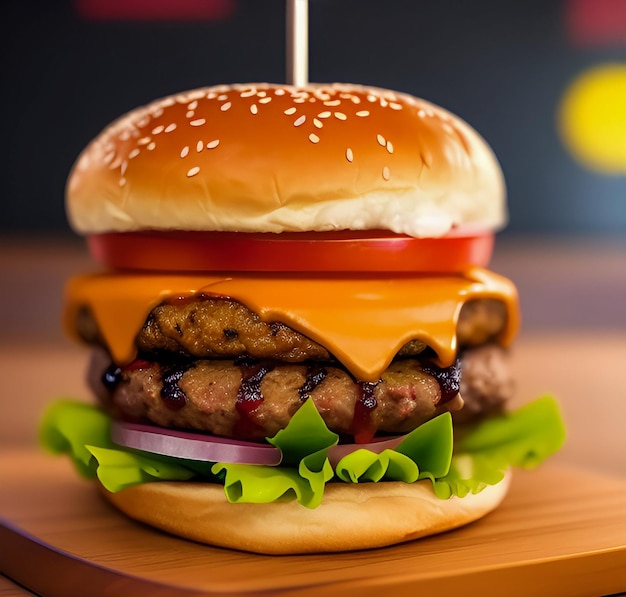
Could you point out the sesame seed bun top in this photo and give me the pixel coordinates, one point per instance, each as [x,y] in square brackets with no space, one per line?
[274,158]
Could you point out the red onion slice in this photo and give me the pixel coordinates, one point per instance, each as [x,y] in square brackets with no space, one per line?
[193,446]
[198,446]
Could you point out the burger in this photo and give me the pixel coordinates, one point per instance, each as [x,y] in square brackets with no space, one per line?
[296,343]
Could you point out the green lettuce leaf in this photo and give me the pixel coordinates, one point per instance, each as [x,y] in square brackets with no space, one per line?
[68,427]
[245,483]
[83,432]
[481,456]
[304,444]
[363,466]
[305,434]
[424,453]
[522,438]
[118,469]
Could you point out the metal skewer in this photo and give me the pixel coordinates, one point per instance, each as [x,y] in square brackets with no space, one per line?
[297,42]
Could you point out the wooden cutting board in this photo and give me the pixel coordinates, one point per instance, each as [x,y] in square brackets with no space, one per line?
[561,531]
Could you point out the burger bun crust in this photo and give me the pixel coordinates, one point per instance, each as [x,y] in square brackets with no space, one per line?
[351,517]
[275,158]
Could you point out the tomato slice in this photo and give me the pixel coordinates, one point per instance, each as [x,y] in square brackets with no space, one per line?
[345,251]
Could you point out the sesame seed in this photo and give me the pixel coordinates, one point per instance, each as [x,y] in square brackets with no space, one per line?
[300,120]
[198,122]
[197,94]
[265,100]
[299,100]
[157,113]
[213,144]
[332,103]
[199,146]
[108,158]
[395,106]
[349,155]
[362,113]
[122,181]
[225,106]
[318,123]
[290,111]
[123,167]
[222,97]
[151,146]
[144,141]
[324,114]
[170,127]
[386,173]
[124,135]
[381,140]
[313,138]
[389,147]
[192,105]
[421,113]
[261,93]
[254,109]
[356,99]
[134,153]
[193,171]
[371,98]
[383,102]
[143,122]
[340,116]
[184,151]
[158,129]
[279,92]
[190,114]
[248,93]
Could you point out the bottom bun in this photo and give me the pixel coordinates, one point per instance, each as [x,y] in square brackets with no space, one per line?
[350,517]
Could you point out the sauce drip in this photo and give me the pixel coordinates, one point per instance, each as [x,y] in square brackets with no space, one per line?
[249,395]
[362,427]
[315,375]
[448,378]
[171,393]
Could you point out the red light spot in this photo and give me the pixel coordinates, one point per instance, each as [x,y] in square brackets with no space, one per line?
[596,22]
[156,10]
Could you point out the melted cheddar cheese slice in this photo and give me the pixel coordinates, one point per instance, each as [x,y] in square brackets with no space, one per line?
[362,321]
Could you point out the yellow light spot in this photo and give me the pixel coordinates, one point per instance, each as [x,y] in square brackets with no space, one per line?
[592,118]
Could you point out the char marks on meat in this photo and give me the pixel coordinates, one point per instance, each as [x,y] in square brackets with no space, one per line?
[210,364]
[405,397]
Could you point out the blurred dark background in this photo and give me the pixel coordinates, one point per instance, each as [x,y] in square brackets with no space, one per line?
[70,67]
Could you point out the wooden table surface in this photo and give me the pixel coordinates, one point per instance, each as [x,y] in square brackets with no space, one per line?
[573,344]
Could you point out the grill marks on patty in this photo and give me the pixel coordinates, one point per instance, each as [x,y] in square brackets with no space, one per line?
[210,364]
[255,400]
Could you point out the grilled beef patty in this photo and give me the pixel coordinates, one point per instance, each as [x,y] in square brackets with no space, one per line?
[255,399]
[207,327]
[210,364]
